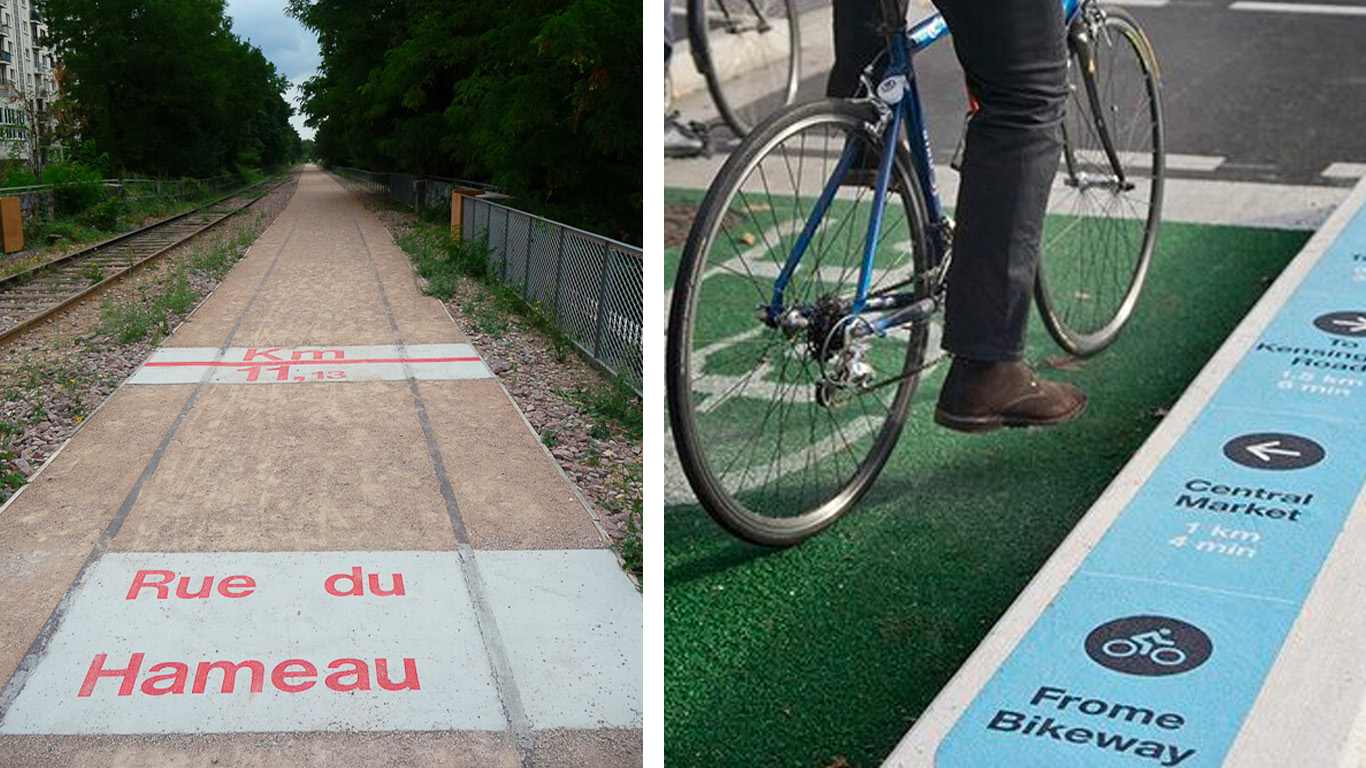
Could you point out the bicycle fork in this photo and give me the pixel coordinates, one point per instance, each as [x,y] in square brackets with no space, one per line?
[1081,39]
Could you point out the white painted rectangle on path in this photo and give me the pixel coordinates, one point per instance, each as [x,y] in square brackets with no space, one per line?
[232,642]
[587,678]
[348,658]
[279,365]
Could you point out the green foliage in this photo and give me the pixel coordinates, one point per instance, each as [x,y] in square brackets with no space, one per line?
[165,87]
[128,322]
[107,215]
[631,546]
[541,97]
[442,261]
[93,273]
[78,186]
[14,173]
[614,400]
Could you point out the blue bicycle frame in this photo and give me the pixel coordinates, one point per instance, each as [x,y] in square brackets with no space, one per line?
[899,91]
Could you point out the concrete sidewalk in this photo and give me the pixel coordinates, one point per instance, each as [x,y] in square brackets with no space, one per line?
[313,529]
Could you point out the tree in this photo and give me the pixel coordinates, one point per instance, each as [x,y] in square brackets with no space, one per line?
[539,96]
[163,86]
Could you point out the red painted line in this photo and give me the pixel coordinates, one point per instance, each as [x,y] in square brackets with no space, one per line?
[225,364]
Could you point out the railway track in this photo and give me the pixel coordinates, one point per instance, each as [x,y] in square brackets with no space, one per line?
[31,297]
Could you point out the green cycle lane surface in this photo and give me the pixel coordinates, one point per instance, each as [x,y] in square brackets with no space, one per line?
[825,654]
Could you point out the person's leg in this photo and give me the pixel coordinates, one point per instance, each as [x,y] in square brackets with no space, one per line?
[1014,54]
[858,39]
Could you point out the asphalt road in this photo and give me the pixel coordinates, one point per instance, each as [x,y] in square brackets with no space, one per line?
[1253,91]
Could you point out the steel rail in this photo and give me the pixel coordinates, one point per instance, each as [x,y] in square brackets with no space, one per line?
[59,268]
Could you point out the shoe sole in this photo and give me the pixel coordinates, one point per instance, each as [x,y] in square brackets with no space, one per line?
[978,424]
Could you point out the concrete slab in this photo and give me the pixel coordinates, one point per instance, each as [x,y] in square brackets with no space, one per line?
[330,466]
[277,365]
[511,495]
[571,626]
[336,641]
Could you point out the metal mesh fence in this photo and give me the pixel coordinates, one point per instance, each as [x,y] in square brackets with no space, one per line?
[401,188]
[593,286]
[376,181]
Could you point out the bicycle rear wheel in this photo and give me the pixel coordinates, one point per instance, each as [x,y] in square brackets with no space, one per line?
[773,455]
[749,52]
[1107,208]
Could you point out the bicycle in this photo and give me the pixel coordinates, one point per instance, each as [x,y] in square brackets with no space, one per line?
[757,39]
[784,415]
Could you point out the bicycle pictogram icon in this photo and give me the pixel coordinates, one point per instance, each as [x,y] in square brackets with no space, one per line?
[1149,646]
[1156,645]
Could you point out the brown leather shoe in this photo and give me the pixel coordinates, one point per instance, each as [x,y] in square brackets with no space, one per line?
[982,396]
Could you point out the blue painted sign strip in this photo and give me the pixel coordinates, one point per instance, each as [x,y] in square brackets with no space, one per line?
[1155,649]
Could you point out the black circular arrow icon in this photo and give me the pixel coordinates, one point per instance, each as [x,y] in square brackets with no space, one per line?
[1342,323]
[1273,450]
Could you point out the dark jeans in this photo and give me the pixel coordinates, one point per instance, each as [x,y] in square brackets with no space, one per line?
[1014,55]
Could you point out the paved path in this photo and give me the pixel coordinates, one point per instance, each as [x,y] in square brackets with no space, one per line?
[313,529]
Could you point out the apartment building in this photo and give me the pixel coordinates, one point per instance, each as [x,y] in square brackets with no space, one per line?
[27,78]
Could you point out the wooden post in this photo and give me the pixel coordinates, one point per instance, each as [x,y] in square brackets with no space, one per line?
[458,209]
[12,224]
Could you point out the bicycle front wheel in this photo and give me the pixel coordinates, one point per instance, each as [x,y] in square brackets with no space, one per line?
[772,450]
[1107,204]
[749,53]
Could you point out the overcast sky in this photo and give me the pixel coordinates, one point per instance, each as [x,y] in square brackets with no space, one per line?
[291,48]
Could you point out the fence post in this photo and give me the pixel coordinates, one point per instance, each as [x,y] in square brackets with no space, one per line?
[602,299]
[559,272]
[526,271]
[507,222]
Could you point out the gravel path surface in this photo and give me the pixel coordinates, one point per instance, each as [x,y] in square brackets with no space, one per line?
[56,375]
[597,454]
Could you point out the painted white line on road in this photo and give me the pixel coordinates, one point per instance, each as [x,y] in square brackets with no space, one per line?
[1206,163]
[279,365]
[231,642]
[1344,171]
[1140,160]
[1304,8]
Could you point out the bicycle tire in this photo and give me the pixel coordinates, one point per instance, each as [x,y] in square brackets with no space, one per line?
[1099,241]
[757,40]
[765,458]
